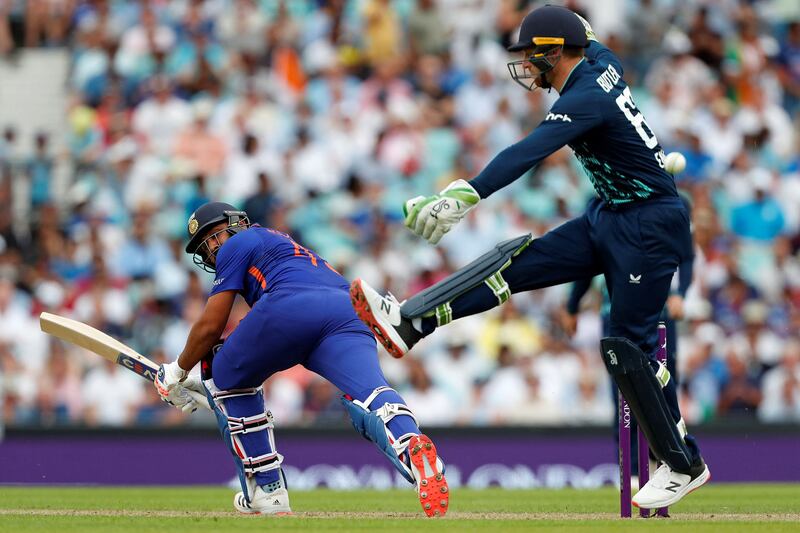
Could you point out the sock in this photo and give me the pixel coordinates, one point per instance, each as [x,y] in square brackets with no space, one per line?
[427,325]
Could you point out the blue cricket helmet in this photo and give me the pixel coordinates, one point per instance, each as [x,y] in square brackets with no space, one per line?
[551,25]
[546,31]
[209,215]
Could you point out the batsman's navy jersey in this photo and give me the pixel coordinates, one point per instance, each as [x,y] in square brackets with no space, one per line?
[596,116]
[259,260]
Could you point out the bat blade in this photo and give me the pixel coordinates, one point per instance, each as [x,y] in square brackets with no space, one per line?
[96,341]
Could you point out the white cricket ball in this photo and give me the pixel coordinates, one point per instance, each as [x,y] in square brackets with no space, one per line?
[674,163]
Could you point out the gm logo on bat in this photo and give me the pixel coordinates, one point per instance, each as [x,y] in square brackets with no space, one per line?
[136,366]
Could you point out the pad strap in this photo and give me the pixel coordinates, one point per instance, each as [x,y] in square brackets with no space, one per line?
[371,424]
[682,428]
[224,394]
[250,424]
[499,286]
[388,410]
[662,375]
[262,463]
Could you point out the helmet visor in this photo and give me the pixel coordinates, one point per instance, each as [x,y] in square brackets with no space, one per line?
[205,256]
[537,62]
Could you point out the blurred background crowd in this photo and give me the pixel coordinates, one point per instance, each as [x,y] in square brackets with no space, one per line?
[320,117]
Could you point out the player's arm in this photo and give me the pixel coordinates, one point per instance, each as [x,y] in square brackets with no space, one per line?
[676,298]
[207,330]
[578,289]
[173,378]
[433,216]
[569,316]
[231,265]
[685,275]
[566,122]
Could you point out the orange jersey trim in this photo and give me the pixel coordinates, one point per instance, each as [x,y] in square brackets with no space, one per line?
[256,273]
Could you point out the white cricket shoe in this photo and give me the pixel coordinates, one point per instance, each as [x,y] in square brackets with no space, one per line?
[275,502]
[382,315]
[428,470]
[667,487]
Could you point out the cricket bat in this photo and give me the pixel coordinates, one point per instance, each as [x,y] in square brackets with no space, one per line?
[96,341]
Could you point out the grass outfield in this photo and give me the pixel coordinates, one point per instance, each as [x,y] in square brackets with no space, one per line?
[200,509]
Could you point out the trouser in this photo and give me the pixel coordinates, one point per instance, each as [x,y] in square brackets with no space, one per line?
[637,248]
[312,326]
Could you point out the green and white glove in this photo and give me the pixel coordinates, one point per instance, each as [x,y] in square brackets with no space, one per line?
[432,216]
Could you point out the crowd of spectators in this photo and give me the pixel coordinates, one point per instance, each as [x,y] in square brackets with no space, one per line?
[320,117]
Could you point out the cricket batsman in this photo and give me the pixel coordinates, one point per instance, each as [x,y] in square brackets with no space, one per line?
[300,314]
[635,233]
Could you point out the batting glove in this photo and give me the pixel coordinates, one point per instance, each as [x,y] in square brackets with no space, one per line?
[433,216]
[169,384]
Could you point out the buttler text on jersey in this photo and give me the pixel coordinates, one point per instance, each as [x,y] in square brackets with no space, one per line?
[607,80]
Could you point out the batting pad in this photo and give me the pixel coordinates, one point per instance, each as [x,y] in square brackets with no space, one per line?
[636,380]
[247,429]
[485,269]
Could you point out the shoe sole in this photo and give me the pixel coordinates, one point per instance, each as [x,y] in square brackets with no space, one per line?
[433,492]
[695,484]
[259,513]
[364,312]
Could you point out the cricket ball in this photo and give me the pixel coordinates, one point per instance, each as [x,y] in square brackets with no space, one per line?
[674,163]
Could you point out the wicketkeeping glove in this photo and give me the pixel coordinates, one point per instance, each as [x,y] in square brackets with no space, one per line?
[433,216]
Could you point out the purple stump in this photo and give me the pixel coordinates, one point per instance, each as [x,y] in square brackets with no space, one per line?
[644,465]
[662,356]
[624,458]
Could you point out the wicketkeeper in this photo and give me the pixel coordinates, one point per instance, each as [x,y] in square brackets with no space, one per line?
[635,234]
[300,314]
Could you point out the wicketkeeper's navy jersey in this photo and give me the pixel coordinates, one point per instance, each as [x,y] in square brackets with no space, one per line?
[258,260]
[596,117]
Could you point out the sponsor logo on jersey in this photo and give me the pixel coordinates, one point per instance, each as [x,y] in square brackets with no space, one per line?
[558,116]
[218,281]
[634,279]
[608,78]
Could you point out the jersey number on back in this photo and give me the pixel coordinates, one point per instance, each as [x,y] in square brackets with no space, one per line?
[625,103]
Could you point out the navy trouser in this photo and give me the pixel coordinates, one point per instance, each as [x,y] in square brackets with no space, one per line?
[636,247]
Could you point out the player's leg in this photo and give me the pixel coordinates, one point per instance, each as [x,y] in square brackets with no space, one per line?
[564,254]
[233,377]
[638,275]
[348,359]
